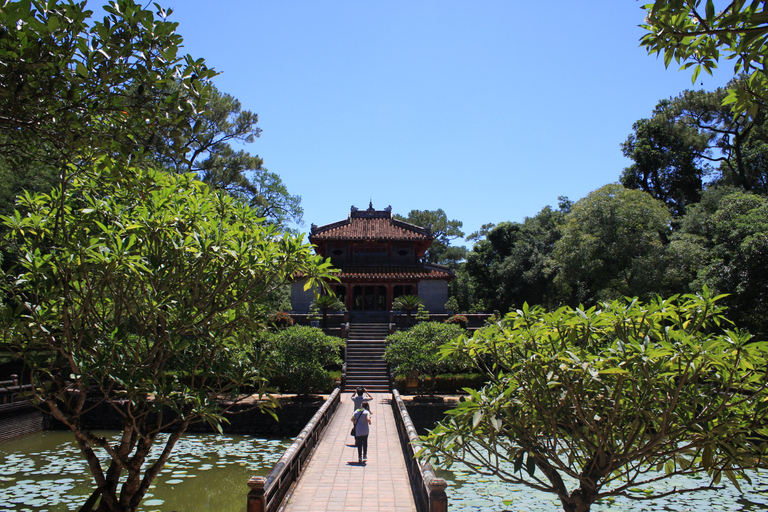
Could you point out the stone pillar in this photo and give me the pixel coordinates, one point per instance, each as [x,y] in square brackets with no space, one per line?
[438,500]
[257,499]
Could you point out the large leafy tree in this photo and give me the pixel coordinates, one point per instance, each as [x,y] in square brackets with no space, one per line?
[690,137]
[698,34]
[511,263]
[445,231]
[135,292]
[667,161]
[71,92]
[612,245]
[587,404]
[211,155]
[729,228]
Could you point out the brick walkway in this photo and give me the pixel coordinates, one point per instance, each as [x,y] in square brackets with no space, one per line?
[333,481]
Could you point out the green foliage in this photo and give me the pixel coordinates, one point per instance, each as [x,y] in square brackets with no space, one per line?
[326,303]
[313,313]
[512,262]
[463,288]
[136,288]
[407,303]
[71,92]
[300,357]
[459,320]
[612,245]
[581,403]
[241,174]
[443,230]
[416,350]
[683,141]
[729,233]
[452,304]
[422,315]
[694,33]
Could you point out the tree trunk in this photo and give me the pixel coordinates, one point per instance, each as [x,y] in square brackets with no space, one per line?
[579,500]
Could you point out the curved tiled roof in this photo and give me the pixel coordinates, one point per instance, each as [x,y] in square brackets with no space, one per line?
[370,224]
[384,272]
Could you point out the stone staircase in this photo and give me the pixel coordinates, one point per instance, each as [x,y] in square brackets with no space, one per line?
[365,348]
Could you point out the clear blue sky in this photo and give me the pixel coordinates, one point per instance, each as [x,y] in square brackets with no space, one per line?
[489,110]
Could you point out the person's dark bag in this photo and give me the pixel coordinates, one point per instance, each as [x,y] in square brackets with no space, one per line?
[353,432]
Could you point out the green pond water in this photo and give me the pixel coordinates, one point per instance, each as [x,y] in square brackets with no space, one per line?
[45,472]
[468,491]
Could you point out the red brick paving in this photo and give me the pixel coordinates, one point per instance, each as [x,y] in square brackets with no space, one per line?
[333,481]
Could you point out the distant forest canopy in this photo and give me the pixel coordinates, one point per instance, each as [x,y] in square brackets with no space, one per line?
[691,210]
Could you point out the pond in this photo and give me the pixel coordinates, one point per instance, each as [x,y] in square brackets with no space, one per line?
[468,491]
[45,472]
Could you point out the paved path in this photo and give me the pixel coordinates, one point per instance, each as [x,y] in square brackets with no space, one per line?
[333,481]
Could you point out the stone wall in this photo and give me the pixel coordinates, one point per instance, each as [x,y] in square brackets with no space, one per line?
[300,298]
[425,415]
[434,293]
[19,419]
[293,415]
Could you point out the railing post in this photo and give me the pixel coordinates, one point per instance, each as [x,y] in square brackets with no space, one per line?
[438,500]
[257,500]
[15,379]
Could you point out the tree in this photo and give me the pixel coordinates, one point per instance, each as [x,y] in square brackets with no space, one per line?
[137,292]
[327,303]
[587,404]
[612,245]
[241,174]
[685,138]
[512,263]
[70,92]
[667,161]
[407,303]
[416,351]
[695,34]
[300,355]
[443,230]
[730,230]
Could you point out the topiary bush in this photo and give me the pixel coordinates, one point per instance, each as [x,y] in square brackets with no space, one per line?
[300,358]
[417,351]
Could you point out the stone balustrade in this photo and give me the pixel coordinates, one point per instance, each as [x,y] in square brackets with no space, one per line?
[268,492]
[428,489]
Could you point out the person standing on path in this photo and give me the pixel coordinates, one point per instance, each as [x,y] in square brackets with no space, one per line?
[359,398]
[361,420]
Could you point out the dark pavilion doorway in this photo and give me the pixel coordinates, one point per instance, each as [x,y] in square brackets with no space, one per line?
[369,298]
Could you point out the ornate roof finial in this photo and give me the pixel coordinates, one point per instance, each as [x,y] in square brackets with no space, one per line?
[370,205]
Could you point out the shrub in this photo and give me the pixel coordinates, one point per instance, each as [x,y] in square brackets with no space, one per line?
[300,356]
[281,320]
[452,305]
[417,351]
[460,320]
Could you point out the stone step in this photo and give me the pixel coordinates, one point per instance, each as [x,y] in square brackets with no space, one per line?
[382,370]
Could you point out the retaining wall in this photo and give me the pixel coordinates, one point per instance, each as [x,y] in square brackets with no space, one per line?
[20,418]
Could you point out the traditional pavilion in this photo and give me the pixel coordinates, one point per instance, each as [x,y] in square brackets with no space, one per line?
[380,258]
